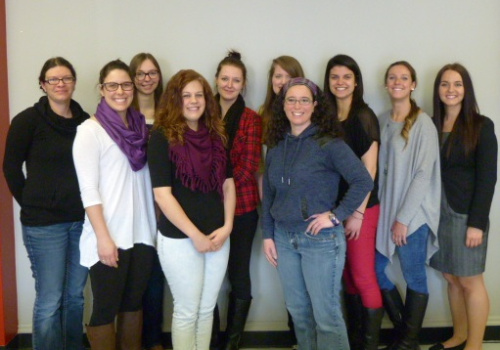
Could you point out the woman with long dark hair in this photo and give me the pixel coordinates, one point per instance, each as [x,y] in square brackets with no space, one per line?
[469,152]
[193,186]
[409,191]
[343,85]
[41,137]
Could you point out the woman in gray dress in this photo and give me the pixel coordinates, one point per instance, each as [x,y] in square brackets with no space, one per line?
[469,173]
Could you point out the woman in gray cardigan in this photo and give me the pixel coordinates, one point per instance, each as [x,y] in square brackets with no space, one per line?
[409,190]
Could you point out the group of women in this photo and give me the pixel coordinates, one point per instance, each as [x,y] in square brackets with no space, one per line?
[342,193]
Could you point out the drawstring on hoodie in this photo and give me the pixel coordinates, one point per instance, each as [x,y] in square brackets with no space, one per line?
[297,149]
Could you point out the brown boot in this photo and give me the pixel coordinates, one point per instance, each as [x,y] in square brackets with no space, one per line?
[102,337]
[129,330]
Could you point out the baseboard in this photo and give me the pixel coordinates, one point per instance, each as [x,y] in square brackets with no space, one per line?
[282,339]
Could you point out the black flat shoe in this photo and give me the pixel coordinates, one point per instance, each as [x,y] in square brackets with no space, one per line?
[440,346]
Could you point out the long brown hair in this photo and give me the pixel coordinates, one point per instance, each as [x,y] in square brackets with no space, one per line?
[411,118]
[468,124]
[292,67]
[170,118]
[135,63]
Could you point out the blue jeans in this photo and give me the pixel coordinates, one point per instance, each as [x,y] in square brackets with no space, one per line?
[310,268]
[59,281]
[412,257]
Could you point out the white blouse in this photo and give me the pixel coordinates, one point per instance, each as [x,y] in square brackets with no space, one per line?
[105,177]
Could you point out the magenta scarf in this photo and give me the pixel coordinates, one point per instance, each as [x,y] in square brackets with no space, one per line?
[201,160]
[132,140]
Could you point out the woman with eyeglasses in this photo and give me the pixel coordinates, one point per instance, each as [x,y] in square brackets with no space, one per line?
[117,243]
[283,68]
[469,151]
[302,221]
[344,87]
[409,192]
[244,129]
[146,74]
[193,186]
[41,138]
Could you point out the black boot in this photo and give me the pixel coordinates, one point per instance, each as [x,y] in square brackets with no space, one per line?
[354,318]
[236,318]
[214,340]
[413,317]
[372,318]
[393,305]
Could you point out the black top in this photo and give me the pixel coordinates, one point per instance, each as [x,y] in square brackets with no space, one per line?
[469,181]
[49,194]
[361,130]
[205,210]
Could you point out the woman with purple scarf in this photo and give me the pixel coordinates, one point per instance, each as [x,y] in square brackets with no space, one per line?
[118,233]
[194,188]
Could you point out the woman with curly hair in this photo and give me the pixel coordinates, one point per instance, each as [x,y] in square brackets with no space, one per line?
[302,222]
[344,87]
[193,186]
[469,151]
[409,192]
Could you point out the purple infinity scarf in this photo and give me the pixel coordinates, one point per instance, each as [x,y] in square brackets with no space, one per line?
[132,140]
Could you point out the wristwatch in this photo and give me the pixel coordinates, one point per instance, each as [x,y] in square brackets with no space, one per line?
[333,218]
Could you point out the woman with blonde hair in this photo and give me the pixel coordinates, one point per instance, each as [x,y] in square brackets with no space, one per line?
[194,189]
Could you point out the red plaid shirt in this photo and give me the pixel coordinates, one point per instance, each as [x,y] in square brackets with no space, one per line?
[245,158]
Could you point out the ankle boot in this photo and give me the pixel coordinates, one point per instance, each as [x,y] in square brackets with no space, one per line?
[354,317]
[393,305]
[236,319]
[129,330]
[413,317]
[102,337]
[372,318]
[214,339]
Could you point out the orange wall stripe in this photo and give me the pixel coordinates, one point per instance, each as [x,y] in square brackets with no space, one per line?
[8,290]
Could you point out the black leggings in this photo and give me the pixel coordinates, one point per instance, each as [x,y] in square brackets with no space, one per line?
[120,289]
[244,228]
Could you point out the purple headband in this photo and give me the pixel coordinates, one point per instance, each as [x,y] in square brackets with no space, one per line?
[301,81]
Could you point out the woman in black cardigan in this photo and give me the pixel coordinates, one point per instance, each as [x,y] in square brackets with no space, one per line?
[469,173]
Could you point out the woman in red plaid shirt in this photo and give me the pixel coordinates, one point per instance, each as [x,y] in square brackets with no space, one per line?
[244,129]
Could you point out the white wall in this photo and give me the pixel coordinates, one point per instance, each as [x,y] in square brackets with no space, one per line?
[196,34]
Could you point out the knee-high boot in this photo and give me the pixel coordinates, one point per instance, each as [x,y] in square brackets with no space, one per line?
[413,317]
[129,330]
[393,305]
[214,339]
[372,318]
[354,317]
[236,319]
[102,337]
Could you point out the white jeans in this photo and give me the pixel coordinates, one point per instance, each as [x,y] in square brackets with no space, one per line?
[195,279]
